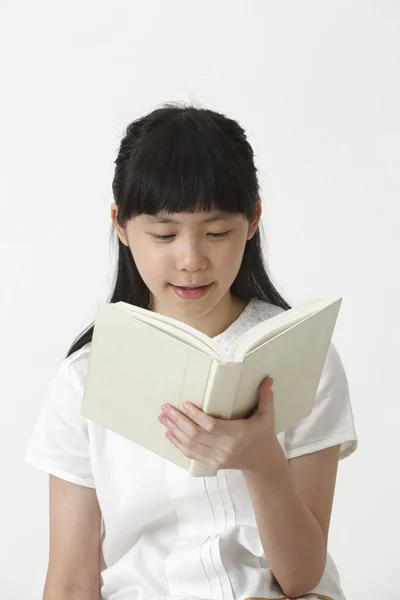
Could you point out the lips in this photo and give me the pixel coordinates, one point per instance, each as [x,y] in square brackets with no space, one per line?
[191,293]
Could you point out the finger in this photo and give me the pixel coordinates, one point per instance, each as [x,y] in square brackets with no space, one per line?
[189,444]
[264,399]
[192,454]
[266,385]
[212,425]
[188,431]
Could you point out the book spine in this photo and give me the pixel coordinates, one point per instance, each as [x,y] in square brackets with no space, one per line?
[221,390]
[219,402]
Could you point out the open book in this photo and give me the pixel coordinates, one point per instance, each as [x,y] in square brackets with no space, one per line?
[140,360]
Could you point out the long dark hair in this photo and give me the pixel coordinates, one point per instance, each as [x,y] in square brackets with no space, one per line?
[181,159]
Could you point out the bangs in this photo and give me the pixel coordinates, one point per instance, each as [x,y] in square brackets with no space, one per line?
[187,165]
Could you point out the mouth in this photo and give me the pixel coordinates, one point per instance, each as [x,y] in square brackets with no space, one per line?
[193,292]
[191,287]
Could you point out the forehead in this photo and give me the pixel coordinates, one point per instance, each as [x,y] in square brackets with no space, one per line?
[188,218]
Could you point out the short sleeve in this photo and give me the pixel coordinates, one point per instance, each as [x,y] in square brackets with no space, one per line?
[331,420]
[59,443]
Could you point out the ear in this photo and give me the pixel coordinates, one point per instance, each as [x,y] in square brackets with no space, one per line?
[120,231]
[255,222]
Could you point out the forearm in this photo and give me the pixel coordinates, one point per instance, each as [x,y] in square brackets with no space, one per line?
[61,591]
[291,537]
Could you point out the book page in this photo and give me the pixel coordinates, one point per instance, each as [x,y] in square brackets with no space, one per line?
[267,330]
[176,328]
[294,359]
[133,370]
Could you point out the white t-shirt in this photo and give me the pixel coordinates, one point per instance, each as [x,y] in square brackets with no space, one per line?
[167,535]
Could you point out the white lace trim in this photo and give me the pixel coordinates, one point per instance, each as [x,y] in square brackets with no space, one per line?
[255,312]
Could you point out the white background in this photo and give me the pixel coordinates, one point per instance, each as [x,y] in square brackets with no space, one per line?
[316,85]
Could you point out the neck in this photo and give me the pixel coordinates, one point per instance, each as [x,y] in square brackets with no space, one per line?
[226,312]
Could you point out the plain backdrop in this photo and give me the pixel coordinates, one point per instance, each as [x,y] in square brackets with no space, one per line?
[316,86]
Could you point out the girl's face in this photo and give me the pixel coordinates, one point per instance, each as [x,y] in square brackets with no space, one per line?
[202,250]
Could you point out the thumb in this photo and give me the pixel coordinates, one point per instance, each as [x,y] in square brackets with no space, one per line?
[265,394]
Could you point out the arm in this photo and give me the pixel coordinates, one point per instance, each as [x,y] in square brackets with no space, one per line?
[74,561]
[292,502]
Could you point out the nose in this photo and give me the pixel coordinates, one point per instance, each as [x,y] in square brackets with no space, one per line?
[191,257]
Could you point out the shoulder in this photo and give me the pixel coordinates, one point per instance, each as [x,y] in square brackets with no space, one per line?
[78,360]
[72,370]
[80,357]
[60,443]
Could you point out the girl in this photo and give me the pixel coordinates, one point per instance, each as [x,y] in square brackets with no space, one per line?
[126,524]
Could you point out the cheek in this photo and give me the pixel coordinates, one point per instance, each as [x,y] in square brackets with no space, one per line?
[150,263]
[231,257]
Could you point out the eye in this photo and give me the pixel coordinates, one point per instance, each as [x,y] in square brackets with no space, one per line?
[162,237]
[219,235]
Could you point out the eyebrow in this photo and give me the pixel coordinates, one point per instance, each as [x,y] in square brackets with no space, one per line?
[219,216]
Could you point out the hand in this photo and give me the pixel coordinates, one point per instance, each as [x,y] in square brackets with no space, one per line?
[243,444]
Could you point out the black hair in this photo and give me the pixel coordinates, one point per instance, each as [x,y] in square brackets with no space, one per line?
[181,159]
